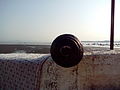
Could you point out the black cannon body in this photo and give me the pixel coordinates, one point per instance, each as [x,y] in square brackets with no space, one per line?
[66,50]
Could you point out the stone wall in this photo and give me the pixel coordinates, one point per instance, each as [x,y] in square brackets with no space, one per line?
[96,71]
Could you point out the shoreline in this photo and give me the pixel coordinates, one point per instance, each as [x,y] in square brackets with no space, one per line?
[45,49]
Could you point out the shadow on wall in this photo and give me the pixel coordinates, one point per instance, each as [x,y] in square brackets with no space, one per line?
[106,87]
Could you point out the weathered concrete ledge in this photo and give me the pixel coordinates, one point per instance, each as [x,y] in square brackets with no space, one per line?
[96,71]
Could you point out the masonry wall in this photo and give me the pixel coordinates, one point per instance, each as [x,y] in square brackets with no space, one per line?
[40,72]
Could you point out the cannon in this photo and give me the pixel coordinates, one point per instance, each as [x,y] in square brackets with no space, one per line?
[66,50]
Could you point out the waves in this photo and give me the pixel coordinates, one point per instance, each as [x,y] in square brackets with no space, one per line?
[100,43]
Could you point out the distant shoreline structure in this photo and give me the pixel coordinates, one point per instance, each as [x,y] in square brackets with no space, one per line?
[26,43]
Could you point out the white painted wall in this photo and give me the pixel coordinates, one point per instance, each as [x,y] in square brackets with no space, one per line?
[39,72]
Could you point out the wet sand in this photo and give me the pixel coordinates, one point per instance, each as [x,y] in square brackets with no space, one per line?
[43,49]
[7,48]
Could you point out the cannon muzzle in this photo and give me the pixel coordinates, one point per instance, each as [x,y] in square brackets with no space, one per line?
[66,50]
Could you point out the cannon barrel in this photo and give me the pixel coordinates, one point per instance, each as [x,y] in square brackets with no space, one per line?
[66,50]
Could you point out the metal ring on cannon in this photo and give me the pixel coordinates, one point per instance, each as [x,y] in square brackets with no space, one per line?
[66,50]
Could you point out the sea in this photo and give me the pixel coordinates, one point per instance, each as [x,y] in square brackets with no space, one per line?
[84,43]
[100,44]
[44,47]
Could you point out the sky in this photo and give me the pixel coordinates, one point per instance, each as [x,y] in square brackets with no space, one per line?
[44,20]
